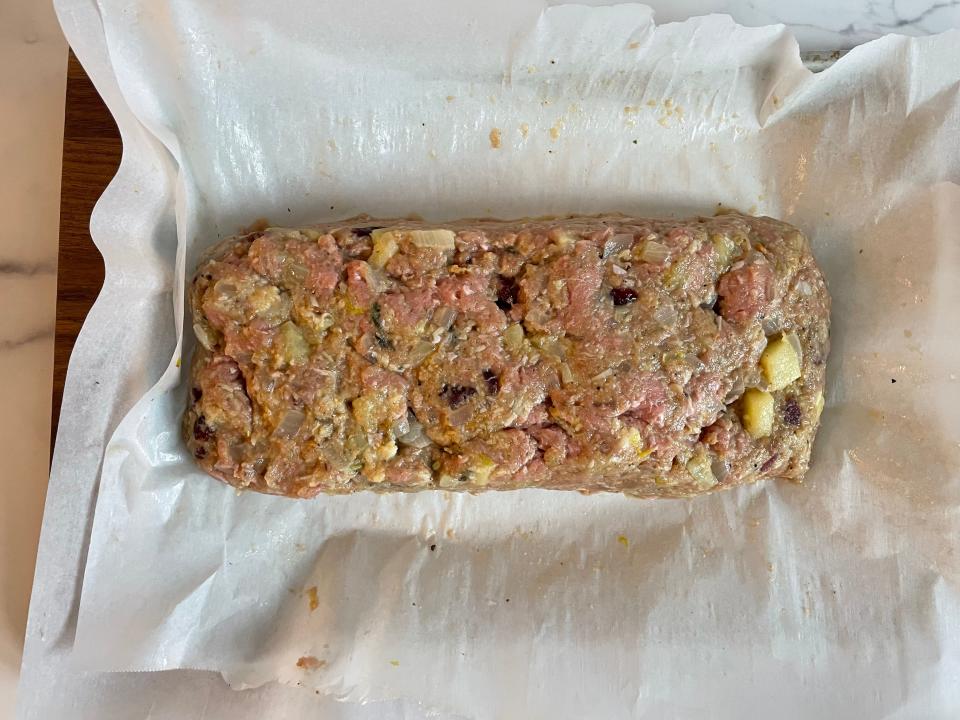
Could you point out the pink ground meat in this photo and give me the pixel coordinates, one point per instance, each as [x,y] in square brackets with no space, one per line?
[596,354]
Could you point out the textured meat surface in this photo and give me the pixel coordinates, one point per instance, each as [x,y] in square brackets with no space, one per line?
[594,354]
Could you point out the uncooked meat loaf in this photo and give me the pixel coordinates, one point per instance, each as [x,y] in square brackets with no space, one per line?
[650,357]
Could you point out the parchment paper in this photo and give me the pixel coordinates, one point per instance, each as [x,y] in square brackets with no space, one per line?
[797,600]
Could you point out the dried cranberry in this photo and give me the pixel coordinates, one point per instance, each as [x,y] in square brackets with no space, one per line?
[457,395]
[363,231]
[791,413]
[623,296]
[197,393]
[202,431]
[508,292]
[492,381]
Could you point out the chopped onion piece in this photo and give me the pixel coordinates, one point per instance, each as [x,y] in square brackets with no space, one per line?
[770,326]
[292,347]
[378,280]
[415,436]
[791,337]
[444,317]
[438,239]
[600,377]
[665,315]
[720,469]
[419,353]
[401,426]
[654,252]
[203,336]
[617,244]
[566,374]
[551,346]
[290,424]
[735,392]
[513,338]
[804,288]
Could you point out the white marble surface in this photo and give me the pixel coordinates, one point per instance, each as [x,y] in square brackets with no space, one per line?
[826,24]
[32,76]
[32,72]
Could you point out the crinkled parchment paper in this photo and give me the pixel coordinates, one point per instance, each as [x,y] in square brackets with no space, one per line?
[839,597]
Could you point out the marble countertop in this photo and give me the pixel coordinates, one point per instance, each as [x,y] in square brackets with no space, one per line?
[826,24]
[31,133]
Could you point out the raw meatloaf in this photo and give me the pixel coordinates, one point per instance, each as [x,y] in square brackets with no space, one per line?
[650,357]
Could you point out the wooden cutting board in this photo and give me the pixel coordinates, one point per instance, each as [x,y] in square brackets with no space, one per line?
[91,156]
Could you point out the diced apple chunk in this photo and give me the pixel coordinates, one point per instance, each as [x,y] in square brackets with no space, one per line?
[780,364]
[699,467]
[758,412]
[481,469]
[437,239]
[293,349]
[632,440]
[384,248]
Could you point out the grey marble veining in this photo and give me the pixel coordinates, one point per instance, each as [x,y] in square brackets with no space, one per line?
[823,24]
[32,79]
[27,269]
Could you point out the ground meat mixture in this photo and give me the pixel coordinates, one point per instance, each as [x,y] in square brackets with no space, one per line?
[651,357]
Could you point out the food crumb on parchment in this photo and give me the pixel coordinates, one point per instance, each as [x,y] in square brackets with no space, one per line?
[451,98]
[556,128]
[395,663]
[309,662]
[495,138]
[622,539]
[524,129]
[312,598]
